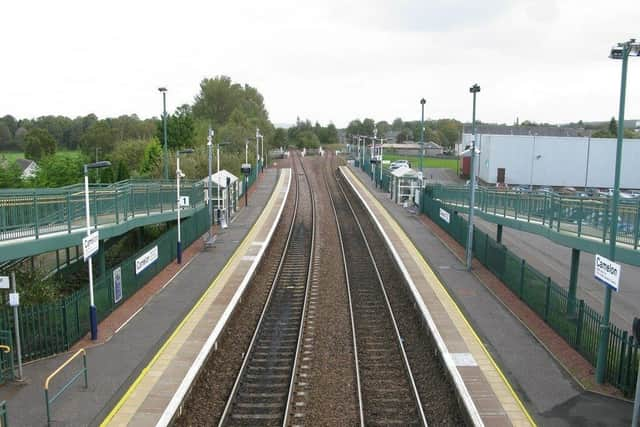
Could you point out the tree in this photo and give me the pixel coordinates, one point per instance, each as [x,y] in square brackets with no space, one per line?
[152,159]
[307,139]
[39,144]
[383,127]
[11,123]
[449,130]
[280,138]
[219,97]
[180,128]
[131,153]
[100,136]
[397,125]
[332,134]
[59,170]
[10,175]
[601,133]
[355,127]
[367,127]
[613,127]
[6,138]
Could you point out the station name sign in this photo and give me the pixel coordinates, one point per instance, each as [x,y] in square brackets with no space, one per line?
[445,216]
[608,272]
[146,260]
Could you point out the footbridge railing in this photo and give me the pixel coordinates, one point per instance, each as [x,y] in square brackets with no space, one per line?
[582,217]
[32,213]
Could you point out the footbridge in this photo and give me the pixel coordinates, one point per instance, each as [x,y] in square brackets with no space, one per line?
[577,222]
[35,221]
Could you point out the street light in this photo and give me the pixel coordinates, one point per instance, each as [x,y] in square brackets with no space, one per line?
[210,147]
[179,175]
[164,131]
[258,135]
[472,183]
[621,51]
[422,102]
[93,318]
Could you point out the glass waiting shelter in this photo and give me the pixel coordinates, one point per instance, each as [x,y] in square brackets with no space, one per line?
[226,202]
[405,185]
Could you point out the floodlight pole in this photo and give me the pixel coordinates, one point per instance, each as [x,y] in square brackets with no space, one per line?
[472,183]
[422,102]
[601,363]
[164,132]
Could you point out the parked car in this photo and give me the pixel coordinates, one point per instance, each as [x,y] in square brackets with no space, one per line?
[398,164]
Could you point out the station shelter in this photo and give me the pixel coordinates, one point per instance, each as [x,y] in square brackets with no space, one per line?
[405,185]
[225,203]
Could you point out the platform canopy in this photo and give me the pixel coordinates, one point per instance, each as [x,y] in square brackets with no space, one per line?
[404,172]
[220,178]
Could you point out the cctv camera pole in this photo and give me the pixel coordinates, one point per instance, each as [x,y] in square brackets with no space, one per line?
[178,176]
[210,147]
[472,183]
[179,246]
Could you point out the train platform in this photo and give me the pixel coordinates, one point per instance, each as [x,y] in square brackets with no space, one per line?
[134,371]
[525,375]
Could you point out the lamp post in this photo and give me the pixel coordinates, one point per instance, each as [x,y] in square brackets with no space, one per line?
[210,154]
[164,132]
[472,183]
[93,318]
[261,139]
[422,102]
[621,51]
[374,156]
[179,175]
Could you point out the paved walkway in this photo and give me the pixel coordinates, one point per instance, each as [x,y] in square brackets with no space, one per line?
[115,363]
[551,395]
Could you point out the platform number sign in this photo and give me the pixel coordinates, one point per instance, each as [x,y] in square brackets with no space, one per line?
[117,285]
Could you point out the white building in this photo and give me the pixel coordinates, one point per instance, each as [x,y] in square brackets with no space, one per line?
[556,161]
[28,167]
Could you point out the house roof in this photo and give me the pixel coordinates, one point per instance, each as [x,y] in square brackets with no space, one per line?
[24,164]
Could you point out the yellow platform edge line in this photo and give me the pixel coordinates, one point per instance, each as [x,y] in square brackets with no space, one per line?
[451,299]
[213,284]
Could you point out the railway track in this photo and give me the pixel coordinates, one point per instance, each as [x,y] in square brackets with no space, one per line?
[262,392]
[387,392]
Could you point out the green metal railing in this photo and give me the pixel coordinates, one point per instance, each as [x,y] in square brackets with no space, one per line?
[65,386]
[549,300]
[579,216]
[4,421]
[35,212]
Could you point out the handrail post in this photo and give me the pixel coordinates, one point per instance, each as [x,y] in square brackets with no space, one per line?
[115,205]
[35,215]
[69,214]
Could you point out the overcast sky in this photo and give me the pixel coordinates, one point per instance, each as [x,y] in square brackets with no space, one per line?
[330,60]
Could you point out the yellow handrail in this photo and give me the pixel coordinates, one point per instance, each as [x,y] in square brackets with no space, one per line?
[54,373]
[5,348]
